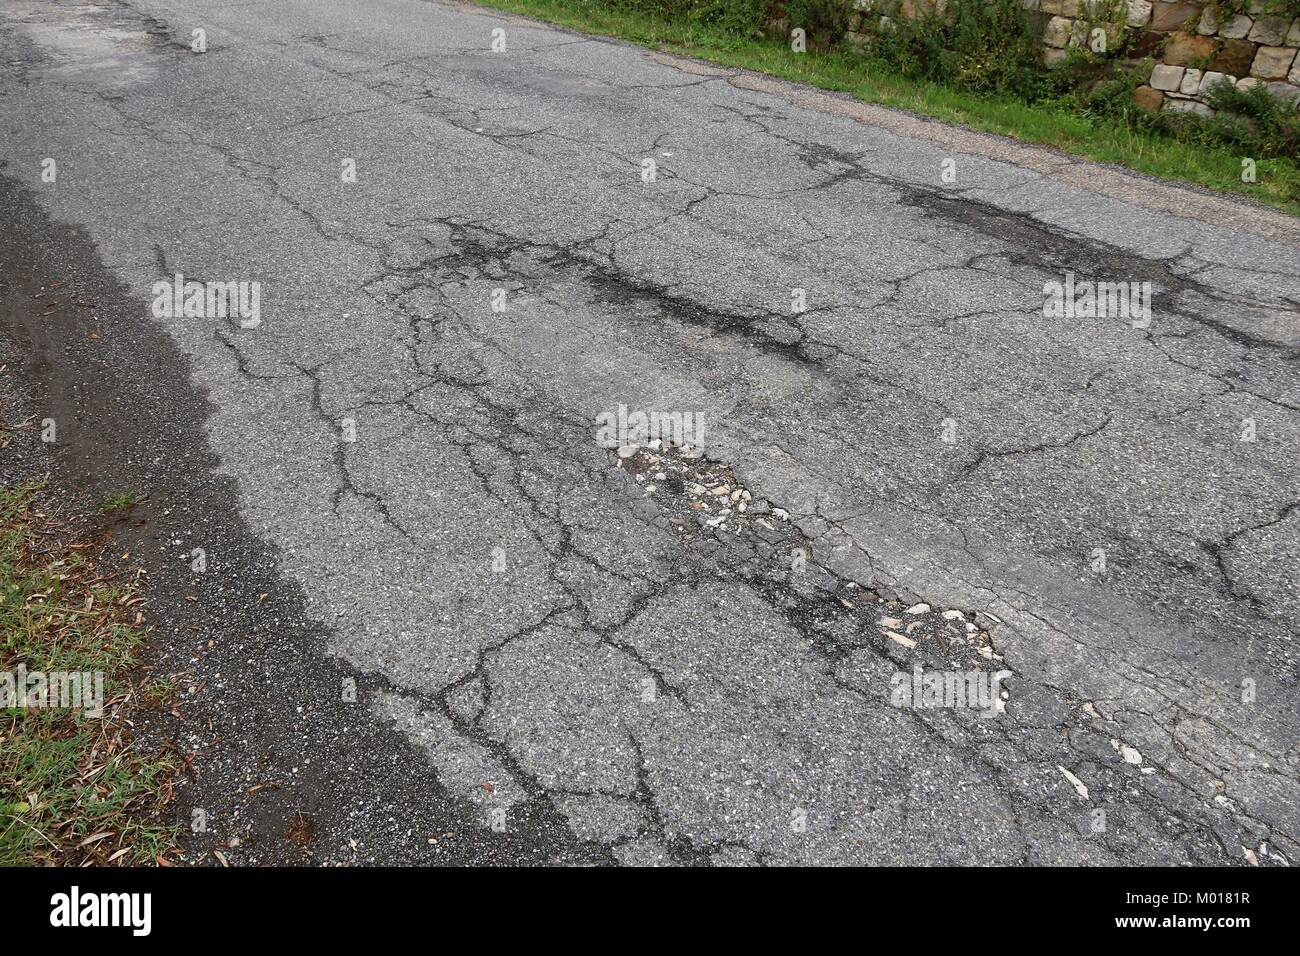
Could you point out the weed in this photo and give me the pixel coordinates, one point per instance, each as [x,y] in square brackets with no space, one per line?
[119,500]
[75,789]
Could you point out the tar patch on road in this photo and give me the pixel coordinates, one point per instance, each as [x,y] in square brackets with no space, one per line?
[280,767]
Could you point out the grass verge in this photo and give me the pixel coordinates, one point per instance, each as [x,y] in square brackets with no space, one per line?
[1098,138]
[73,790]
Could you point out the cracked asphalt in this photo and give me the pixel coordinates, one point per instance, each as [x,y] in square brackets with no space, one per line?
[560,664]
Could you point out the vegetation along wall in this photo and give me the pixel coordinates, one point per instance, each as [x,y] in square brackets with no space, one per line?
[1182,51]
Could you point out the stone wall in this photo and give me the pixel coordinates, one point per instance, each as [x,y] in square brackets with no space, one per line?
[1192,45]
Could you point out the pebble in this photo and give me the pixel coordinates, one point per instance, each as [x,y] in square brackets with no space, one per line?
[919,609]
[899,638]
[1079,786]
[627,451]
[1130,754]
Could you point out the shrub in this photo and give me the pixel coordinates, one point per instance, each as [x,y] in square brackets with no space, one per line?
[1254,119]
[1088,83]
[739,17]
[983,47]
[826,21]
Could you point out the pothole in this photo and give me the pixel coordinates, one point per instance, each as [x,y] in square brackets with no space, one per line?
[701,495]
[703,501]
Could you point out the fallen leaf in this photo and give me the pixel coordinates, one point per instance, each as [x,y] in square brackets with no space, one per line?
[301,829]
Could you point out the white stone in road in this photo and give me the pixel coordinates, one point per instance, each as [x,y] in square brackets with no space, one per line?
[1079,786]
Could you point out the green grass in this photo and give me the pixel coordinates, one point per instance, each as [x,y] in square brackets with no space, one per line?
[1096,138]
[72,788]
[119,500]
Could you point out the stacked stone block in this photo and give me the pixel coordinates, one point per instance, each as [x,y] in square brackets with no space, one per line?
[1193,45]
[1198,47]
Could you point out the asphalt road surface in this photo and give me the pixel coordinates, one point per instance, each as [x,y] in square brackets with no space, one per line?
[567,652]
